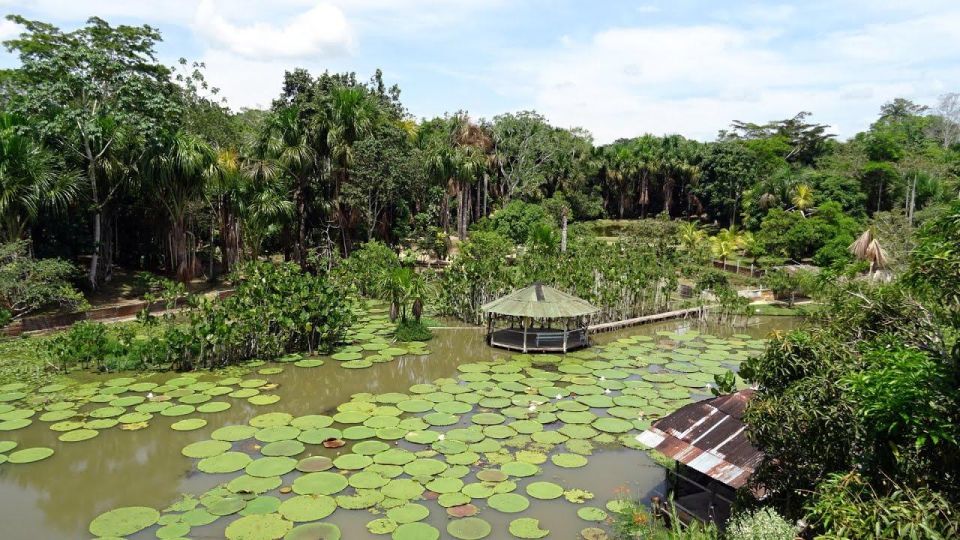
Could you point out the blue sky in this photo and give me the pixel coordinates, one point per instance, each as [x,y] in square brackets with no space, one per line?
[618,69]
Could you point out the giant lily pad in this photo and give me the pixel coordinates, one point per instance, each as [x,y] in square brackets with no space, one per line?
[415,531]
[307,507]
[508,502]
[123,521]
[544,490]
[527,528]
[320,483]
[314,531]
[471,528]
[189,424]
[226,462]
[403,489]
[258,527]
[408,513]
[270,466]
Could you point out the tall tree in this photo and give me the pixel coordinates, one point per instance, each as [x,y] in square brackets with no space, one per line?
[99,94]
[31,178]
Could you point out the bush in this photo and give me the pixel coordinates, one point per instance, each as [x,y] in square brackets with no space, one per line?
[518,219]
[411,330]
[845,506]
[275,309]
[763,524]
[367,267]
[28,284]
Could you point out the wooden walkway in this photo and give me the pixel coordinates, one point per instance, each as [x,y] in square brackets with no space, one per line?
[680,313]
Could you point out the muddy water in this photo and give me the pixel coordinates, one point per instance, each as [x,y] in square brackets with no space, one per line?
[57,497]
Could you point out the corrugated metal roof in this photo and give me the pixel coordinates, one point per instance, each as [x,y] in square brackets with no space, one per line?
[541,302]
[708,436]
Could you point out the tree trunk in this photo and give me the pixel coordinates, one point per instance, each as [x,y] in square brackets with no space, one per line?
[563,232]
[95,258]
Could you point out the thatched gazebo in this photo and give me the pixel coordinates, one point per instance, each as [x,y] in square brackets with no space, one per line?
[541,319]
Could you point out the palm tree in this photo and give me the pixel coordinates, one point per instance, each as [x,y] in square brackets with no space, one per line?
[178,169]
[288,145]
[30,179]
[416,293]
[802,198]
[473,145]
[691,236]
[867,248]
[351,115]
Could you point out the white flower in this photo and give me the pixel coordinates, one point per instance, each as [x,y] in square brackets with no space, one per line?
[441,437]
[150,395]
[606,390]
[602,378]
[559,396]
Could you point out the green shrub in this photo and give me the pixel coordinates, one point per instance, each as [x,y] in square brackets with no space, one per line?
[365,270]
[411,330]
[845,506]
[634,521]
[28,285]
[762,524]
[275,309]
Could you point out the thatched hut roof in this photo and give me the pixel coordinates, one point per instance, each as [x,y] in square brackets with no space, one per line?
[540,302]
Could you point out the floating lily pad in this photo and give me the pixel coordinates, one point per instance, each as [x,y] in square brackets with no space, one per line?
[591,513]
[314,531]
[178,410]
[226,462]
[415,531]
[286,448]
[381,526]
[11,425]
[568,460]
[258,527]
[123,521]
[189,424]
[544,490]
[270,466]
[403,489]
[213,407]
[251,484]
[408,513]
[519,469]
[309,363]
[527,528]
[314,464]
[320,483]
[263,399]
[471,528]
[307,507]
[508,502]
[78,435]
[352,462]
[224,506]
[29,455]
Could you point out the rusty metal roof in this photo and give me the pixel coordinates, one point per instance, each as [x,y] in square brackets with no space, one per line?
[710,437]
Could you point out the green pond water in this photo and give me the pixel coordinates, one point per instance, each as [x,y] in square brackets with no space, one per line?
[59,496]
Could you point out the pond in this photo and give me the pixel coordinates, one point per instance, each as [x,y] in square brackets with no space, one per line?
[59,496]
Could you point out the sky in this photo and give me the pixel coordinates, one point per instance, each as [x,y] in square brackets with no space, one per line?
[615,68]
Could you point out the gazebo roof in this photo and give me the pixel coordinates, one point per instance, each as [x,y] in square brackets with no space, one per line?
[541,302]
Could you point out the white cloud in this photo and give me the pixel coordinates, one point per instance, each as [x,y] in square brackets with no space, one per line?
[695,80]
[321,30]
[9,29]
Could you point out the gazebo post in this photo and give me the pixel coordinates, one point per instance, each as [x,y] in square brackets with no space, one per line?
[566,330]
[489,327]
[523,321]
